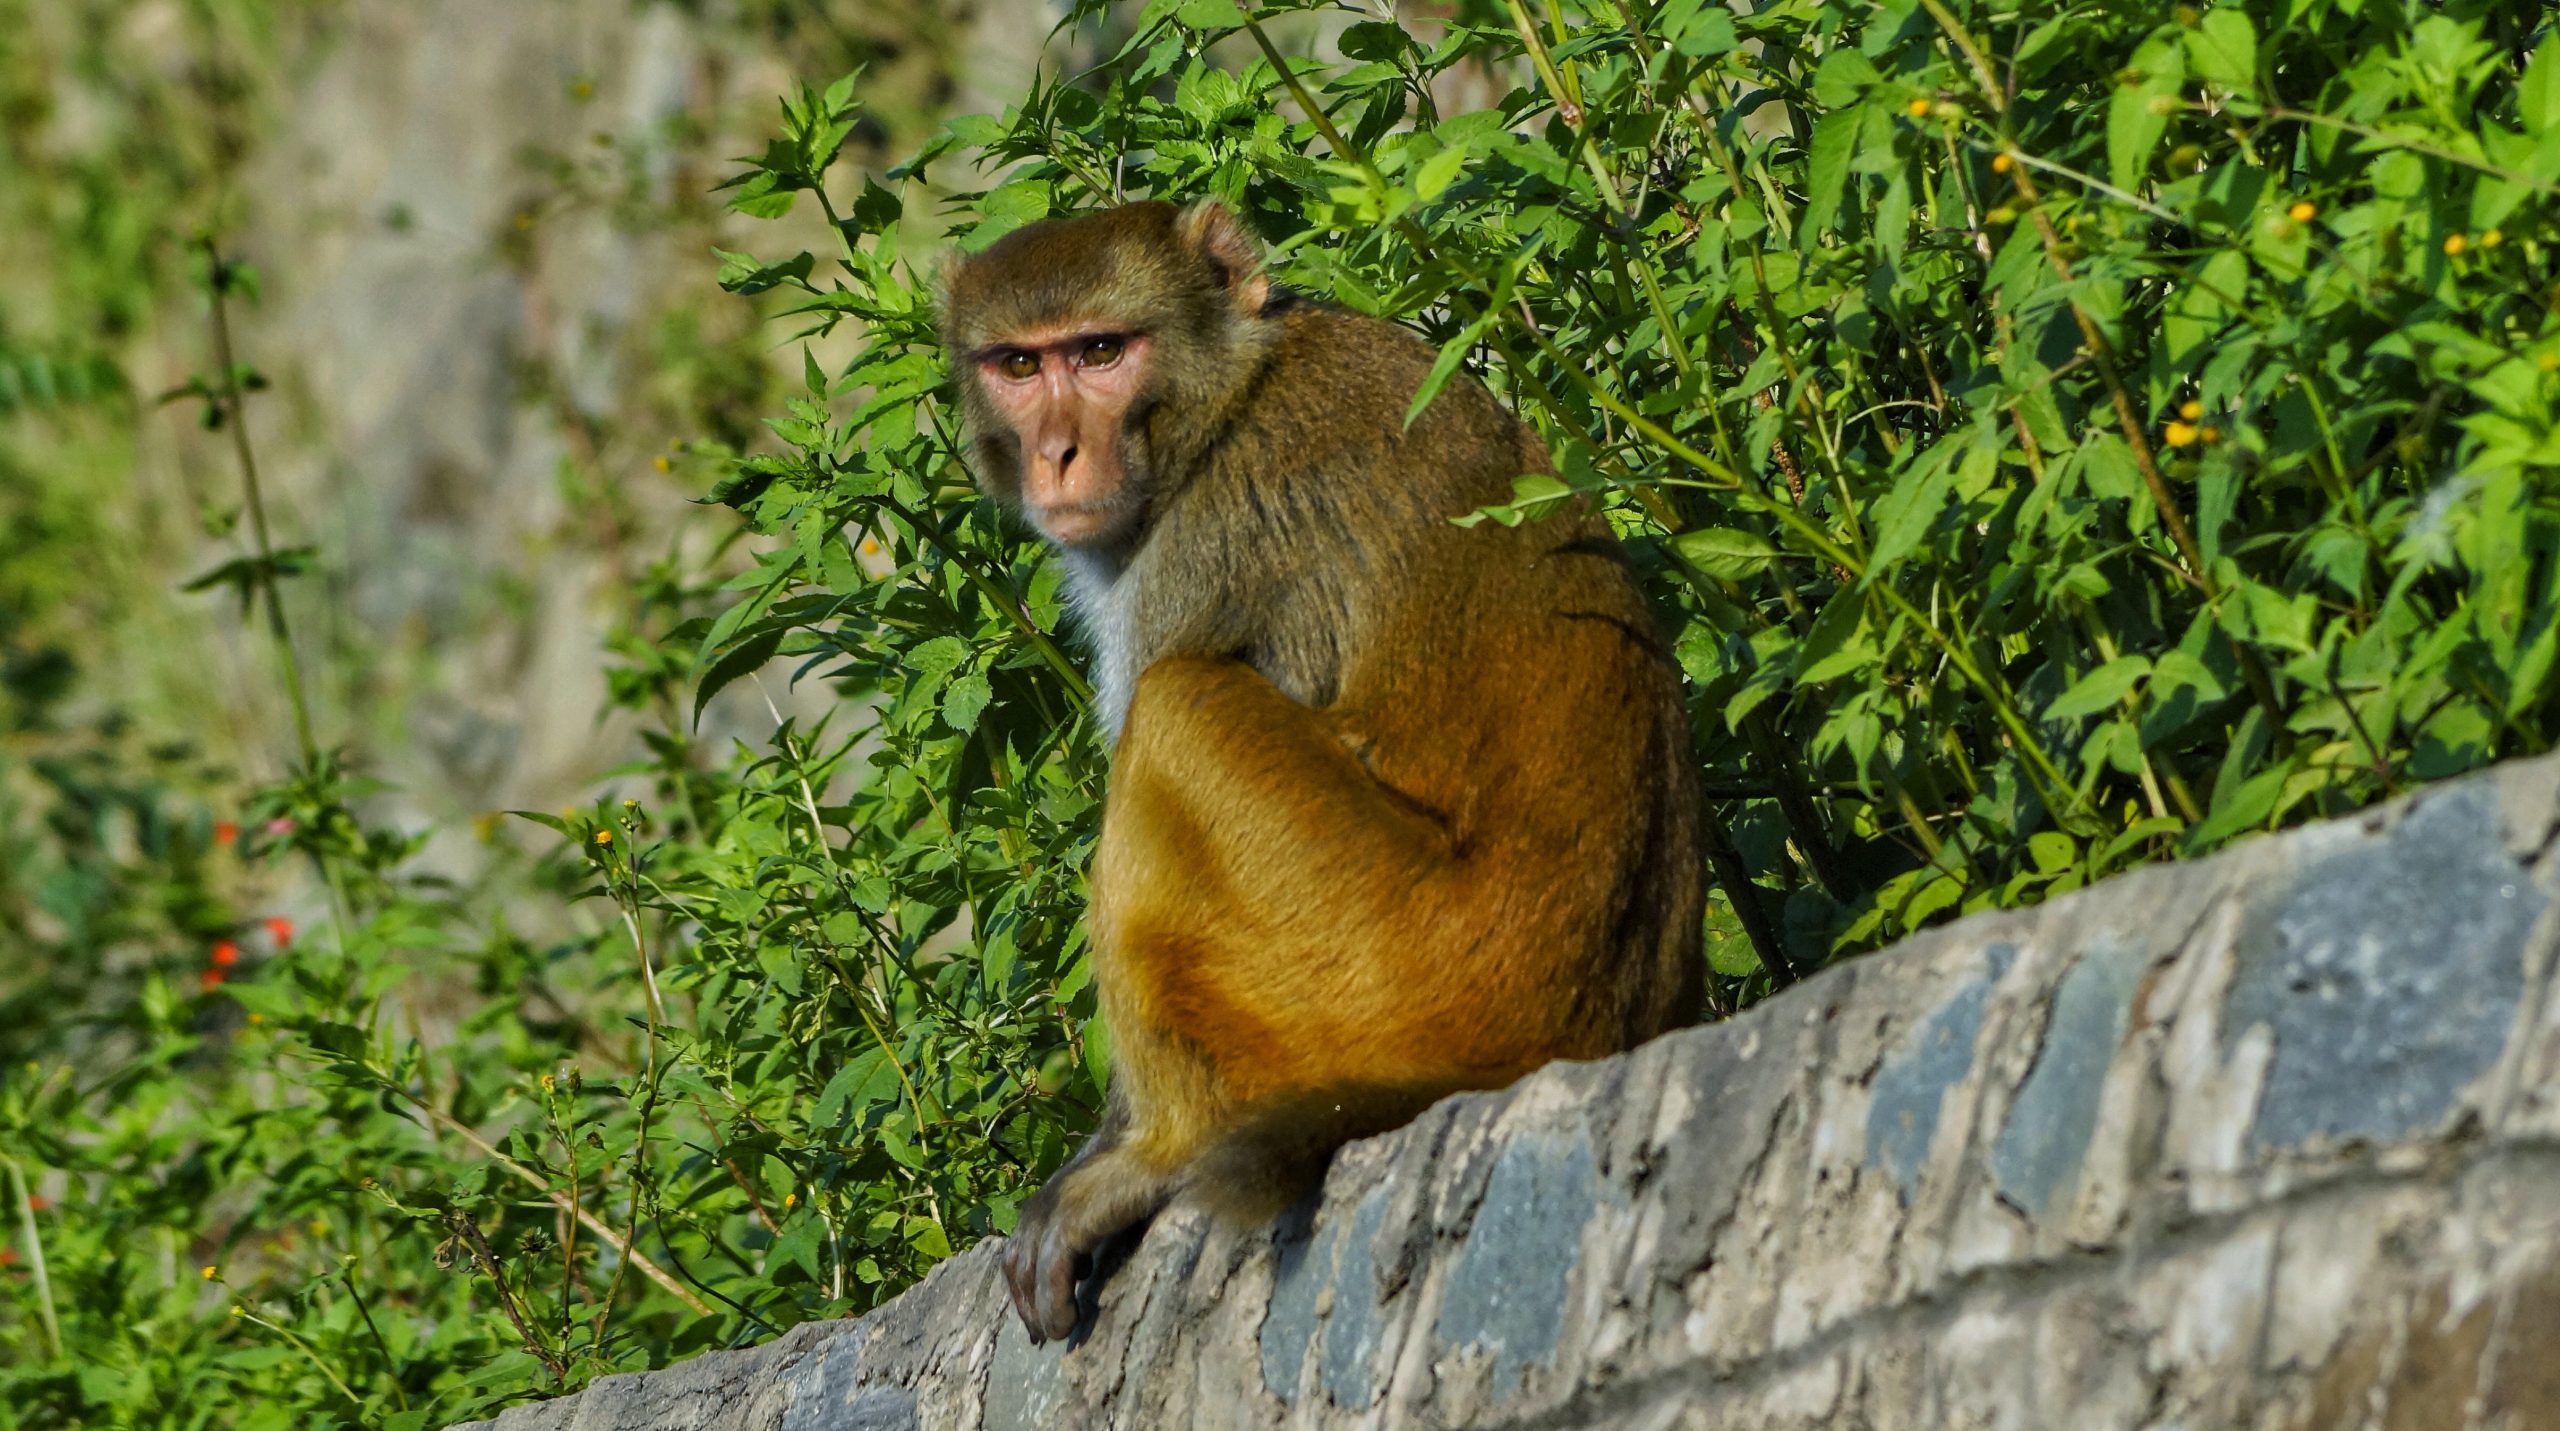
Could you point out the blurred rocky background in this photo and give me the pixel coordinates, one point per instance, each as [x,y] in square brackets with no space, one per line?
[496,363]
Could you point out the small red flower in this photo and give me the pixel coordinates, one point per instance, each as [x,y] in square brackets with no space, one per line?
[225,833]
[36,1202]
[281,825]
[8,1257]
[226,954]
[212,980]
[280,929]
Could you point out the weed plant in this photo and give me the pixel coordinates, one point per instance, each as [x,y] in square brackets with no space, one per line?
[2056,439]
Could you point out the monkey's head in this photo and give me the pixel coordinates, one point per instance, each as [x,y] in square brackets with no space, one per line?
[1097,357]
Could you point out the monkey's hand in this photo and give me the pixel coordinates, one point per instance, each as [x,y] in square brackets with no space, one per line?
[1108,1187]
[1041,1270]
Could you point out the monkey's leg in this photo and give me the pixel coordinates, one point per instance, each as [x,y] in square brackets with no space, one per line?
[1260,794]
[1252,878]
[1105,1187]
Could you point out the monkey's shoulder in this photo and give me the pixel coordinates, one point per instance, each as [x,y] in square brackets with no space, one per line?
[1347,379]
[1318,333]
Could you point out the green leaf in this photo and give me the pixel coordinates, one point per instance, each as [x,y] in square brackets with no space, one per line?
[742,274]
[1438,172]
[1700,29]
[1368,40]
[1835,141]
[2538,92]
[798,1245]
[928,1238]
[2139,111]
[2100,689]
[2248,806]
[1843,78]
[932,660]
[1533,495]
[1005,209]
[964,700]
[1211,15]
[2223,48]
[748,655]
[2052,852]
[1725,552]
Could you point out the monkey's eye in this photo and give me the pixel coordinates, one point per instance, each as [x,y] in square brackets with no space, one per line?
[1018,365]
[1100,352]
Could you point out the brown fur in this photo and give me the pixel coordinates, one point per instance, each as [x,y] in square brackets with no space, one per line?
[1398,807]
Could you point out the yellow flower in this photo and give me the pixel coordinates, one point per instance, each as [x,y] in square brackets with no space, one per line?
[604,837]
[2181,434]
[2002,164]
[662,464]
[210,1272]
[2492,238]
[2454,245]
[790,1200]
[2191,409]
[2212,436]
[2303,212]
[1917,109]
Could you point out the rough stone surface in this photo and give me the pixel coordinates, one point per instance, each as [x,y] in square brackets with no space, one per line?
[2271,1140]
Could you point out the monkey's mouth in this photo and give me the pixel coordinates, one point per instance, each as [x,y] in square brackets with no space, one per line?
[1079,523]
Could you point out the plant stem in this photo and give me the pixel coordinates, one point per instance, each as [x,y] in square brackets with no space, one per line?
[390,1363]
[1725,860]
[236,413]
[308,1355]
[622,1246]
[35,1256]
[487,1257]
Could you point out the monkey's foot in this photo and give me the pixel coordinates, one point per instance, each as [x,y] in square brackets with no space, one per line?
[1041,1270]
[1106,1190]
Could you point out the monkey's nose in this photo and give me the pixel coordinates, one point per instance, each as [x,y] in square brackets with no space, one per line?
[1055,474]
[1057,452]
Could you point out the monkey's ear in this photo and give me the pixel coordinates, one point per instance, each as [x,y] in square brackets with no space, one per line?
[1212,230]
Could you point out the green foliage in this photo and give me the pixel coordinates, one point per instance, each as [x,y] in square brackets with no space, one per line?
[2056,440]
[2047,465]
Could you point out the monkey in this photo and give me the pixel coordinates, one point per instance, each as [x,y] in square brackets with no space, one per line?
[1397,807]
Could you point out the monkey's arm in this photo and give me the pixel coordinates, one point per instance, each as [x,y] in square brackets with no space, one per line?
[1273,920]
[1262,790]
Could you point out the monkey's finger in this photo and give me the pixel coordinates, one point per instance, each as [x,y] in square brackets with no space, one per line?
[1021,1265]
[1056,1285]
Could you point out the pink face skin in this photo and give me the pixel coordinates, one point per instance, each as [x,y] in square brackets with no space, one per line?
[1065,394]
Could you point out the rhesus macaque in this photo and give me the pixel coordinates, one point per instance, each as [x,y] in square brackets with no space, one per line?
[1397,807]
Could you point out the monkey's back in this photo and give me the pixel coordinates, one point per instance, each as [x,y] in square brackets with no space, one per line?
[1510,681]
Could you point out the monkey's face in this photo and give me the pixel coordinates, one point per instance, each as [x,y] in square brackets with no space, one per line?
[1095,356]
[1064,397]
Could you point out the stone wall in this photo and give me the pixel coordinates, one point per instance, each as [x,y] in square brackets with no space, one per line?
[2268,1140]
